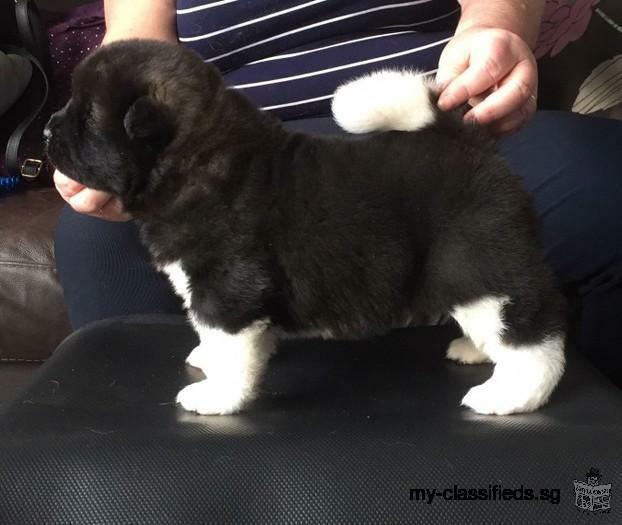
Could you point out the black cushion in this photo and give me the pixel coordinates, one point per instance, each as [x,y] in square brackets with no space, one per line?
[341,433]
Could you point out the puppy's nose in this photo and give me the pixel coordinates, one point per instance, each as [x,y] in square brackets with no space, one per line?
[51,124]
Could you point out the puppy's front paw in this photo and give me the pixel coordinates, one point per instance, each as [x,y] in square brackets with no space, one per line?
[464,351]
[210,398]
[198,358]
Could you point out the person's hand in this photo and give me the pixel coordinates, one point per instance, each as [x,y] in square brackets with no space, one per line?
[90,202]
[495,72]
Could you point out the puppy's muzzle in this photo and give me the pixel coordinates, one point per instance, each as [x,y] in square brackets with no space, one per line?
[53,124]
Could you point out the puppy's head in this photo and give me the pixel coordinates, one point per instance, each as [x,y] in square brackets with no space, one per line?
[131,102]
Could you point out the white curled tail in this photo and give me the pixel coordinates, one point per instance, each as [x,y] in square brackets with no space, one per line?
[385,100]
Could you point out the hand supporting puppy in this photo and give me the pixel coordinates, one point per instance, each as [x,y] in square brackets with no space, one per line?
[90,202]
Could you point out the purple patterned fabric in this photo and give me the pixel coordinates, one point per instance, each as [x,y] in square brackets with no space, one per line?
[72,34]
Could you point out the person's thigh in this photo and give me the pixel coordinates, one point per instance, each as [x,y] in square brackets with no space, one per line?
[572,165]
[105,271]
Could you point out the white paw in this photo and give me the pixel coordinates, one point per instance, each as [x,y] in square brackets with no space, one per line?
[484,399]
[464,351]
[198,358]
[212,398]
[522,380]
[496,397]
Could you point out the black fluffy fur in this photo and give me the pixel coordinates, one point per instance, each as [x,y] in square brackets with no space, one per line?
[350,235]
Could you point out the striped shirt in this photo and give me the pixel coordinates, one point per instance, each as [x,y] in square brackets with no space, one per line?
[288,56]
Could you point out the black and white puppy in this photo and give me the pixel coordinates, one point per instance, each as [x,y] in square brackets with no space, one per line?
[266,233]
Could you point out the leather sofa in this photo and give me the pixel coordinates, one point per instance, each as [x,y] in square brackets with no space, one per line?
[33,320]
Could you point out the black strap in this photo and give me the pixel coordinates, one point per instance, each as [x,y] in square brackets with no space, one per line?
[31,32]
[12,145]
[33,40]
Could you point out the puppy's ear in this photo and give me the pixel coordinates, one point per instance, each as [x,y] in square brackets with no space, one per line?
[150,121]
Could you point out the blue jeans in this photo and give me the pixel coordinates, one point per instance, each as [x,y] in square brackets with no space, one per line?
[571,164]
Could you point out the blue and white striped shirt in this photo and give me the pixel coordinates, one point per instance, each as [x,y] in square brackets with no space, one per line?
[288,56]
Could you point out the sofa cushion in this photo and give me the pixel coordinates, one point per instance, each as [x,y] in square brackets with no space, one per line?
[33,319]
[579,53]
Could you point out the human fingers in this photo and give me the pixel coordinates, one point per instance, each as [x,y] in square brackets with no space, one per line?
[515,121]
[491,58]
[99,204]
[453,61]
[113,211]
[517,91]
[65,186]
[88,201]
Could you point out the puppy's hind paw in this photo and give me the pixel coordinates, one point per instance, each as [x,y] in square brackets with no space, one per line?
[494,397]
[522,381]
[464,351]
[209,398]
[484,400]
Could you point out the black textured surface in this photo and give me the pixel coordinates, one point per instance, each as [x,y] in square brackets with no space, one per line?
[340,434]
